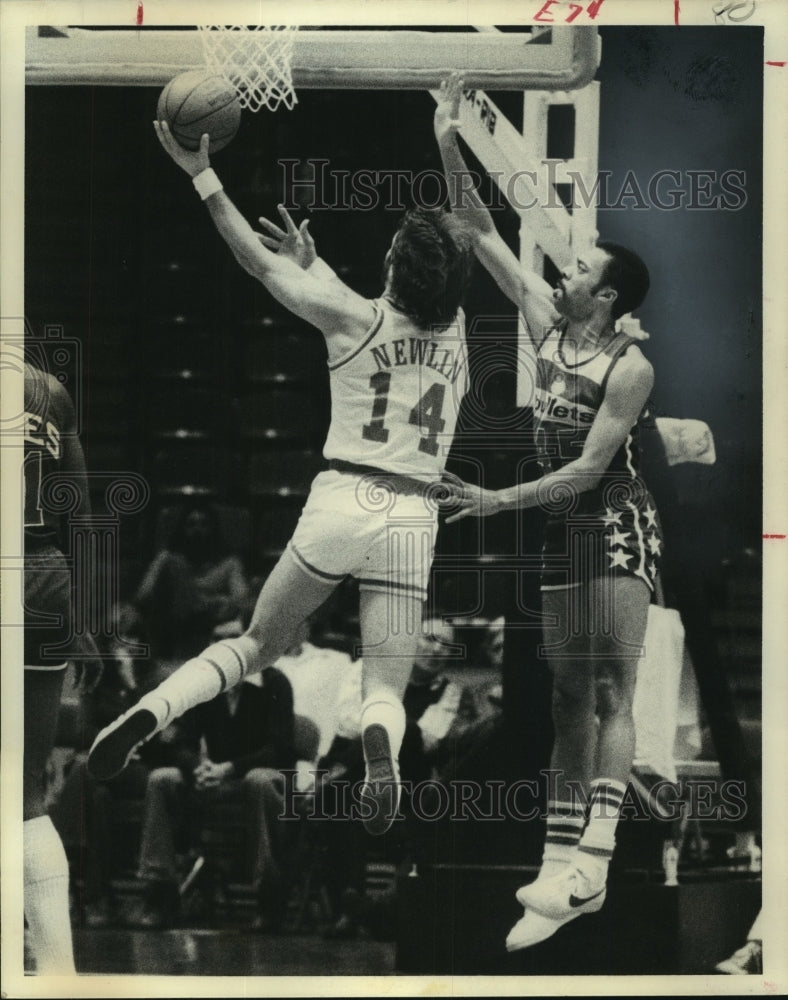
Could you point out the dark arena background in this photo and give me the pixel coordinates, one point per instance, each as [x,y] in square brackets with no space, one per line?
[189,375]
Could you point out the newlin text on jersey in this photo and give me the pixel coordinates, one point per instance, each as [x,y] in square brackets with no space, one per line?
[566,402]
[395,397]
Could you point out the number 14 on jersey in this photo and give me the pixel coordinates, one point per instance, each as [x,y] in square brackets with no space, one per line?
[426,414]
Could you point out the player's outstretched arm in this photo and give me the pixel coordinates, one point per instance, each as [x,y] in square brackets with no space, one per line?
[463,197]
[528,290]
[627,392]
[328,305]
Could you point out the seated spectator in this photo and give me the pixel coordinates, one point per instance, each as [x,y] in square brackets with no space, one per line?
[247,733]
[477,724]
[85,810]
[346,844]
[454,689]
[432,699]
[315,664]
[195,590]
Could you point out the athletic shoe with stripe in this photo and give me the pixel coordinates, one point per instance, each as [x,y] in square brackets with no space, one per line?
[564,896]
[114,746]
[380,793]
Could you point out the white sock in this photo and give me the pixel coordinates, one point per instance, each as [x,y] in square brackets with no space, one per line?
[46,898]
[217,668]
[386,710]
[565,822]
[599,840]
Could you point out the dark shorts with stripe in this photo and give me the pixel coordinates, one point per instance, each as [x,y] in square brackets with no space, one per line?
[48,609]
[626,542]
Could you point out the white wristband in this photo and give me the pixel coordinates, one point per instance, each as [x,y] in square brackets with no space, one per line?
[207,183]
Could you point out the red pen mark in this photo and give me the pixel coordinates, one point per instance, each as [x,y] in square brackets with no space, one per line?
[773,62]
[543,14]
[676,11]
[774,536]
[140,14]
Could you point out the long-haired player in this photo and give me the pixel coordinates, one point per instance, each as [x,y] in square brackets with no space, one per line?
[398,371]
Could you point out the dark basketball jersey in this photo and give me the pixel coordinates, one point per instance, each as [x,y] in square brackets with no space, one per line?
[567,399]
[48,417]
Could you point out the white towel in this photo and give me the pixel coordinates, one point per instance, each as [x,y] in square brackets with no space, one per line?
[656,702]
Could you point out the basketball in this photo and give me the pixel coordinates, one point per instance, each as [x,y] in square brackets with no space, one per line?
[196,102]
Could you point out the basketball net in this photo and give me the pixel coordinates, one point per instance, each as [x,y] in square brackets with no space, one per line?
[255,60]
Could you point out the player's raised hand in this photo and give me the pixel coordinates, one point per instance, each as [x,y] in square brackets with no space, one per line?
[447,112]
[294,242]
[192,162]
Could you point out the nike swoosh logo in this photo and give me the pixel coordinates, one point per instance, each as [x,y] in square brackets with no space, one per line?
[575,901]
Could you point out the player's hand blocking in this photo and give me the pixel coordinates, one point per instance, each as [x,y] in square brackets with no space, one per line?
[293,242]
[192,162]
[466,500]
[447,113]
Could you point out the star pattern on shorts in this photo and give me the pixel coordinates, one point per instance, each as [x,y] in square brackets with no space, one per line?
[612,517]
[617,538]
[654,544]
[651,516]
[619,558]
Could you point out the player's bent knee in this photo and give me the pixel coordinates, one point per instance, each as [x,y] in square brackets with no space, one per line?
[269,642]
[164,778]
[611,698]
[571,702]
[262,778]
[264,787]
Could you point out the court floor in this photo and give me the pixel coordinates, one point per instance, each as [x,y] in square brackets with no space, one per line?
[201,952]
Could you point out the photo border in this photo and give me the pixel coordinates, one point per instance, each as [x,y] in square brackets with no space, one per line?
[773,15]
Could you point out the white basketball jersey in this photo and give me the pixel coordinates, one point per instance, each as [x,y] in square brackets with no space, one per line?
[395,397]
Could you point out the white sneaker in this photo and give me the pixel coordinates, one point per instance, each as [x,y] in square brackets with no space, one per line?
[564,896]
[548,870]
[114,746]
[380,793]
[747,961]
[530,929]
